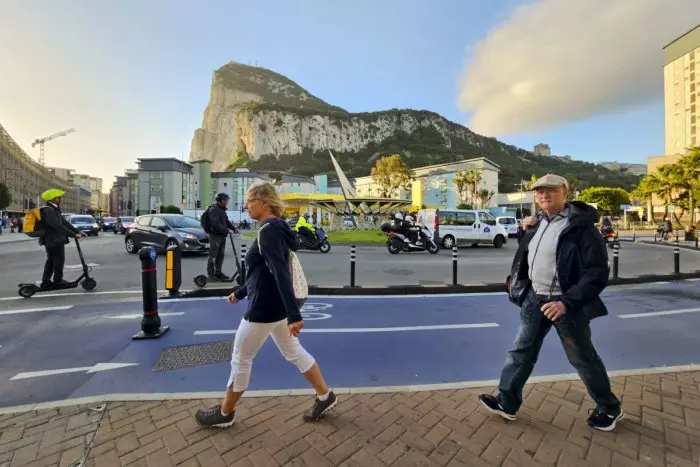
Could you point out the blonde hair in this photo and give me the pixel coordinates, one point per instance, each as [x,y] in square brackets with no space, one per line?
[266,193]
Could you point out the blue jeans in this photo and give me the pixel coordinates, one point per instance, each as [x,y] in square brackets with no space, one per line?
[575,334]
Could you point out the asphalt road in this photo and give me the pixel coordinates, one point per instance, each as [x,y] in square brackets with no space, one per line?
[117,271]
[78,351]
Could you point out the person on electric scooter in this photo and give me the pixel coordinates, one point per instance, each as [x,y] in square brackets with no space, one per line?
[307,231]
[56,232]
[218,227]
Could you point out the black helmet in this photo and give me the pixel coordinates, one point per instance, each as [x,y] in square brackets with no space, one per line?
[222,197]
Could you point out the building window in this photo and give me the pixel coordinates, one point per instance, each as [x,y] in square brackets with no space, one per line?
[225,184]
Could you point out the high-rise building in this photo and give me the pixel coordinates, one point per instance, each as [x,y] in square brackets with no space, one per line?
[682,91]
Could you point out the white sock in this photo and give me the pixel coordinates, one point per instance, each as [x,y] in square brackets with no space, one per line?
[324,397]
[224,413]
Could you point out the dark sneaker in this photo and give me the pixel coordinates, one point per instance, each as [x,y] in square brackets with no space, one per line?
[320,407]
[494,406]
[61,283]
[222,277]
[603,421]
[213,418]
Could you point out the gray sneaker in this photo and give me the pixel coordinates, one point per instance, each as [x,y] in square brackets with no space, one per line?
[320,407]
[212,418]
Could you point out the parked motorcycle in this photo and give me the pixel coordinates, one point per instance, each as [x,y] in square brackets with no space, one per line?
[320,244]
[397,242]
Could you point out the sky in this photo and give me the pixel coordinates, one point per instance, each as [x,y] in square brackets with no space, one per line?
[133,78]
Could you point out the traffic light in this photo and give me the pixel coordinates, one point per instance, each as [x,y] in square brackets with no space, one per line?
[199,204]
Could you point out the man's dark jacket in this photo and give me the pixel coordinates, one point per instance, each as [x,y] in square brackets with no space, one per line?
[218,221]
[582,264]
[56,228]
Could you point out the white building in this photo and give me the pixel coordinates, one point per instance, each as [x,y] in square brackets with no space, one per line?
[235,184]
[164,182]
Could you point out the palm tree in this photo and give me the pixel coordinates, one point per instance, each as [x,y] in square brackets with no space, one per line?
[485,196]
[460,181]
[645,191]
[687,172]
[473,178]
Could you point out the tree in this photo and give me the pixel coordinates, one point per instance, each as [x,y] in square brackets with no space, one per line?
[573,183]
[460,181]
[5,197]
[391,174]
[647,188]
[687,173]
[608,199]
[473,178]
[484,195]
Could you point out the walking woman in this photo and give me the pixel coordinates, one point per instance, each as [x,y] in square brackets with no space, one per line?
[272,311]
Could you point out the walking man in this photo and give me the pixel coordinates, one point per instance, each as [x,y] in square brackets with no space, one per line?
[56,233]
[558,273]
[215,222]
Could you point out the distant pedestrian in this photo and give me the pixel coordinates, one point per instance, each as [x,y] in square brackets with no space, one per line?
[272,311]
[558,273]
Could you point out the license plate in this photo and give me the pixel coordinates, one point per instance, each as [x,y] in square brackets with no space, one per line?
[610,239]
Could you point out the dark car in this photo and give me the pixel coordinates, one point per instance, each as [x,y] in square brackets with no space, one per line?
[84,223]
[108,223]
[123,224]
[165,230]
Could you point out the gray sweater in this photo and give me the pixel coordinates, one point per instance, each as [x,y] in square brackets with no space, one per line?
[542,254]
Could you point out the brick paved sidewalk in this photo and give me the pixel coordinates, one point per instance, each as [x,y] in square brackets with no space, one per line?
[662,428]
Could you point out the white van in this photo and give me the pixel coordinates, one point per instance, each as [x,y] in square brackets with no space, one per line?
[463,227]
[510,223]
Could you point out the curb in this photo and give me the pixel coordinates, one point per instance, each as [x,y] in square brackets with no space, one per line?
[669,245]
[15,240]
[433,289]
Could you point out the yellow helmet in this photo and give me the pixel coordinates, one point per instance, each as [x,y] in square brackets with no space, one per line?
[48,195]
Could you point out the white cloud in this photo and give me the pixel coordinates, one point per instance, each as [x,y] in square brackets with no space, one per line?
[558,61]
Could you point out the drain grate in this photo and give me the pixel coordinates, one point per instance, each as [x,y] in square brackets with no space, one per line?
[185,356]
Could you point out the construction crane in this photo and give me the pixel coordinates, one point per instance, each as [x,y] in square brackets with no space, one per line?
[41,141]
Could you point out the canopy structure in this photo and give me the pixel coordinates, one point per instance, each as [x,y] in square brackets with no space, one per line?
[367,206]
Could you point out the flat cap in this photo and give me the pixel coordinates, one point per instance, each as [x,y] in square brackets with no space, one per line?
[550,180]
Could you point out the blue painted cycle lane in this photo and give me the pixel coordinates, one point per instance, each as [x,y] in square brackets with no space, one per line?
[84,336]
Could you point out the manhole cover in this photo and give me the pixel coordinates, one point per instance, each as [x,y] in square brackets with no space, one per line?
[177,358]
[399,272]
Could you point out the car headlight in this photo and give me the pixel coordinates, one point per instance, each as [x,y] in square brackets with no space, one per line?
[188,236]
[94,226]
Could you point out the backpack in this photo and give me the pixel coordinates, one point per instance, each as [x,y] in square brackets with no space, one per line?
[301,287]
[33,226]
[204,220]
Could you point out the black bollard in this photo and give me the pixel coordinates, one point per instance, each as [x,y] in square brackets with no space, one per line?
[616,260]
[173,271]
[676,258]
[150,324]
[697,237]
[352,265]
[454,265]
[243,253]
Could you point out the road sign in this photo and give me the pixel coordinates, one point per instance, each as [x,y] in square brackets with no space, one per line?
[625,207]
[88,369]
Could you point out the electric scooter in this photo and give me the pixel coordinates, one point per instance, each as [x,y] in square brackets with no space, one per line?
[202,279]
[26,290]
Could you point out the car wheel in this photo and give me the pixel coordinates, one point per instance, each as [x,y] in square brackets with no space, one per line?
[498,241]
[130,245]
[448,241]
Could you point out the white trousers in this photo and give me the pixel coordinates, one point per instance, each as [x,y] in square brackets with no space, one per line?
[250,338]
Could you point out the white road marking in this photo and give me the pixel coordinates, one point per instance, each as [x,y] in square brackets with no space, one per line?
[81,294]
[353,330]
[140,315]
[88,369]
[659,313]
[35,310]
[163,396]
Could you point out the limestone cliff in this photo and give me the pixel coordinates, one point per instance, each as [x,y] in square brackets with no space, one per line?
[261,119]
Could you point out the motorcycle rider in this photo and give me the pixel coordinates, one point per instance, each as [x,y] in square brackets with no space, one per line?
[218,227]
[305,229]
[410,225]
